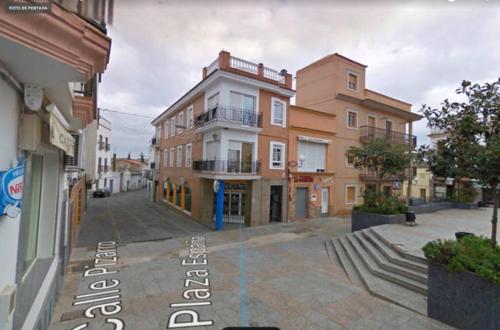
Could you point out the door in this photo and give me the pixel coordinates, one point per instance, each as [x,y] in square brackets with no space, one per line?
[111,181]
[324,201]
[276,203]
[422,193]
[301,203]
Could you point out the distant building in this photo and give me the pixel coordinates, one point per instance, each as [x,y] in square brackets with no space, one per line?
[132,173]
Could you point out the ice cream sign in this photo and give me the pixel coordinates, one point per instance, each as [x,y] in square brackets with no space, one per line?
[11,191]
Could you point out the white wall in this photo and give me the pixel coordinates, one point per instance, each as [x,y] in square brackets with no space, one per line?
[10,101]
[224,87]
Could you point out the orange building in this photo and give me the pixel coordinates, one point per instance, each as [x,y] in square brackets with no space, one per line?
[335,111]
[232,127]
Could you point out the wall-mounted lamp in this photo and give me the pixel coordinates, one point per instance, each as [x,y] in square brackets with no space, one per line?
[215,136]
[302,159]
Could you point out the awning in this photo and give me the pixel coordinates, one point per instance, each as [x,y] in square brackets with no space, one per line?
[314,139]
[60,137]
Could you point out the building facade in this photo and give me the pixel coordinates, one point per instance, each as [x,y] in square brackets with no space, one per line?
[39,154]
[232,128]
[98,162]
[335,86]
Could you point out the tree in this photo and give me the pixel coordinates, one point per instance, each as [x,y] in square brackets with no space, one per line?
[472,143]
[382,157]
[141,156]
[128,157]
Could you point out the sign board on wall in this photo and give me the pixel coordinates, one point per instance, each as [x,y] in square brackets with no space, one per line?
[60,137]
[11,191]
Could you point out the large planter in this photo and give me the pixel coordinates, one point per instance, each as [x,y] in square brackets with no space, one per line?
[463,300]
[465,206]
[361,220]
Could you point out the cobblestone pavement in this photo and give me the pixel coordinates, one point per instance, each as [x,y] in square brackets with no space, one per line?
[130,217]
[275,275]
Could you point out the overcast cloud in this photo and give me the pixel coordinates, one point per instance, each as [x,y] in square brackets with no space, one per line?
[416,51]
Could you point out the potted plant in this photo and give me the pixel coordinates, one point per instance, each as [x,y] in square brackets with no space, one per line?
[464,282]
[387,161]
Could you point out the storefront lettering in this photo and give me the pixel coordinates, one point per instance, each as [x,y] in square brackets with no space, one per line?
[304,178]
[104,297]
[197,286]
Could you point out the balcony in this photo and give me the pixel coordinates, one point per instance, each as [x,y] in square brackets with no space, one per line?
[100,169]
[368,176]
[107,146]
[100,145]
[106,168]
[227,168]
[226,62]
[370,132]
[228,117]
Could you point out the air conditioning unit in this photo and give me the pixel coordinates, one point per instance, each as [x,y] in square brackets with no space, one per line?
[75,163]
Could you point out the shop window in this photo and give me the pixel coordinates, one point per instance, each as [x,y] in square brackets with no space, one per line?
[187,199]
[178,197]
[165,191]
[31,210]
[171,193]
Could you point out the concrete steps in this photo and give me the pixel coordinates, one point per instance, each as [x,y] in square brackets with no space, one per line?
[369,259]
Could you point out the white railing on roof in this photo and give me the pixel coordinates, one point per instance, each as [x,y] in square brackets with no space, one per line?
[213,66]
[238,63]
[274,75]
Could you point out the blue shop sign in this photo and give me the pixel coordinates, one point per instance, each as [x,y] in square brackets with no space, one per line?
[11,191]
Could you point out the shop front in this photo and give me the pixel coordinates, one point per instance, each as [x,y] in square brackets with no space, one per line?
[310,195]
[235,202]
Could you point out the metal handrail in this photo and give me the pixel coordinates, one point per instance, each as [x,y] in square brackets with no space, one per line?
[229,114]
[375,132]
[226,166]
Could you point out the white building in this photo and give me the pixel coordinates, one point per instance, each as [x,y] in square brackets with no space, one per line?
[98,163]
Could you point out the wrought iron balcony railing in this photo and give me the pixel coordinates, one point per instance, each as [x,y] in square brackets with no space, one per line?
[370,132]
[229,114]
[226,167]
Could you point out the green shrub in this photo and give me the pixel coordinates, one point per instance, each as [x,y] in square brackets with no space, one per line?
[467,194]
[374,202]
[471,253]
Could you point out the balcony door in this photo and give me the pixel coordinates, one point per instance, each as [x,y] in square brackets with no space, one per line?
[371,126]
[242,107]
[239,156]
[388,128]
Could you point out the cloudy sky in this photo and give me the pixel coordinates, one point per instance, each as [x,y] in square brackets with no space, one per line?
[417,51]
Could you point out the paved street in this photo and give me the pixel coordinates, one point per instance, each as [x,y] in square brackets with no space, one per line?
[276,275]
[130,217]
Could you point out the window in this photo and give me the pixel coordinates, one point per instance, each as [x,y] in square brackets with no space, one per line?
[277,156]
[352,81]
[171,159]
[178,161]
[242,101]
[349,160]
[350,194]
[180,122]
[190,118]
[278,112]
[31,210]
[352,119]
[188,155]
[314,155]
[165,158]
[213,101]
[172,126]
[166,127]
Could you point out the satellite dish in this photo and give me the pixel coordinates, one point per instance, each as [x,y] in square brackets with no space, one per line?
[33,96]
